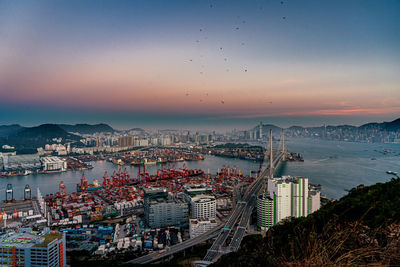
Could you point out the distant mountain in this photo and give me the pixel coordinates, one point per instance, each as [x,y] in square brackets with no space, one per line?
[137,129]
[393,125]
[33,137]
[44,131]
[6,130]
[87,128]
[296,128]
[384,126]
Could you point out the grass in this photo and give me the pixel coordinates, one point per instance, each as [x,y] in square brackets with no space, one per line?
[48,238]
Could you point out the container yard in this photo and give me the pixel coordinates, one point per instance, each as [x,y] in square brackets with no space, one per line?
[121,195]
[18,212]
[154,156]
[107,215]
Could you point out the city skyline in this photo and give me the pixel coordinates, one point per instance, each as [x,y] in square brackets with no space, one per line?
[189,64]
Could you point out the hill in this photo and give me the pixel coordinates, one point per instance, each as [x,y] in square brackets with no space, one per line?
[6,130]
[384,126]
[33,137]
[87,128]
[361,228]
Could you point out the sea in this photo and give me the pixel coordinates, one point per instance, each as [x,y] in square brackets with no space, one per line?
[338,166]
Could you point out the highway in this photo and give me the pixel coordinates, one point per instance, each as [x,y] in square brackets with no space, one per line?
[154,256]
[241,229]
[243,208]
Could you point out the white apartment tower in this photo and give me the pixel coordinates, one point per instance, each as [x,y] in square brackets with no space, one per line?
[286,197]
[203,206]
[282,191]
[299,192]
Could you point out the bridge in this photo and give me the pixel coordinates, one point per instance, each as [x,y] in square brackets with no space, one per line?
[243,210]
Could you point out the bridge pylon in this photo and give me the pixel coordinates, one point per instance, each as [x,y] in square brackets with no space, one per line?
[283,145]
[271,160]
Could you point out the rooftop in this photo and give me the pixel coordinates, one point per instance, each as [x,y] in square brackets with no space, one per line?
[202,220]
[51,160]
[203,198]
[288,179]
[26,238]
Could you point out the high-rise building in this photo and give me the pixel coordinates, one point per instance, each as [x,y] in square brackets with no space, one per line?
[162,209]
[203,206]
[282,191]
[266,211]
[299,191]
[286,197]
[30,248]
[261,130]
[314,198]
[126,141]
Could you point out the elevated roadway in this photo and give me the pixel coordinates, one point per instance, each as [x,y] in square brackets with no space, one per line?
[242,210]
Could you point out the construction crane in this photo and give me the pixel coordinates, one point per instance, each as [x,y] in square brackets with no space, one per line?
[83,185]
[106,181]
[27,192]
[9,193]
[61,188]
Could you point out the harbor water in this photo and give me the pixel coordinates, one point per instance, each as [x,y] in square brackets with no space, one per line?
[337,166]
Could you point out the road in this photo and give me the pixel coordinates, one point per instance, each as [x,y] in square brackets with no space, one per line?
[241,229]
[244,209]
[178,247]
[222,232]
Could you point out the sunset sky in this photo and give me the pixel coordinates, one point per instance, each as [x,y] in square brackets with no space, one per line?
[199,64]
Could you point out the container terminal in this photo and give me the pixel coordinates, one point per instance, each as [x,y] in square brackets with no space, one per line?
[121,194]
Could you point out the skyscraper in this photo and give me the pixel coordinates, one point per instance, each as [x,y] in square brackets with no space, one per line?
[285,197]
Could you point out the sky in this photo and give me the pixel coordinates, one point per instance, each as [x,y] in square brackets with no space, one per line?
[199,64]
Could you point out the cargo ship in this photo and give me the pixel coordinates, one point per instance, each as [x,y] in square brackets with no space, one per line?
[15,173]
[195,172]
[88,187]
[147,161]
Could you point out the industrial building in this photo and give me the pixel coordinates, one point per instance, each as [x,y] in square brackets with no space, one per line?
[286,197]
[200,226]
[52,164]
[162,209]
[19,162]
[196,189]
[24,247]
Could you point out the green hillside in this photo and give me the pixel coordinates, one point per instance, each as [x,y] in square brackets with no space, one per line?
[361,228]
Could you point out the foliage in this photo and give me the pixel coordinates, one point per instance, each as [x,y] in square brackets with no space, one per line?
[361,228]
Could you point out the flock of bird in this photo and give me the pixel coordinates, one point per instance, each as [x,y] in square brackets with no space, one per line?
[237,28]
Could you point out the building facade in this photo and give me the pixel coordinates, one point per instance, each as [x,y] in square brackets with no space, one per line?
[19,162]
[286,197]
[53,164]
[162,209]
[200,226]
[203,206]
[29,248]
[266,211]
[314,198]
